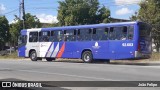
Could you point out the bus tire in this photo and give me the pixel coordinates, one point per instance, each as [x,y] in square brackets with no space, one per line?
[50,59]
[33,56]
[87,57]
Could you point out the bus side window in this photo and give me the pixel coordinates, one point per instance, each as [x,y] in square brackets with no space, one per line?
[59,35]
[130,32]
[51,39]
[95,34]
[44,36]
[118,33]
[65,36]
[101,34]
[124,33]
[56,36]
[88,35]
[33,37]
[105,34]
[78,35]
[69,35]
[74,36]
[85,35]
[94,31]
[111,34]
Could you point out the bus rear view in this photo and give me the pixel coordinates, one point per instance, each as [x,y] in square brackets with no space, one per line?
[144,48]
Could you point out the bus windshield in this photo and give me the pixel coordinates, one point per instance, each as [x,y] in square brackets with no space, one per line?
[22,40]
[145,30]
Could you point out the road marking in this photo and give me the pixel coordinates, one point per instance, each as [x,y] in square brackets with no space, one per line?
[95,78]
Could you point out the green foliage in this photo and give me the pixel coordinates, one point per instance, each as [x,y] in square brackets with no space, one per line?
[103,15]
[4,28]
[150,12]
[15,30]
[13,55]
[32,21]
[45,25]
[75,12]
[134,17]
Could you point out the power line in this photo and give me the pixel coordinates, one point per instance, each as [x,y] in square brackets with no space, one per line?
[11,11]
[41,8]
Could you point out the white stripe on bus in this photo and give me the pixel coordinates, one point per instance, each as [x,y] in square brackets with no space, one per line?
[55,51]
[50,50]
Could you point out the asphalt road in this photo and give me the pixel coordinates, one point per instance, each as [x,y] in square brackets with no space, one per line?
[76,71]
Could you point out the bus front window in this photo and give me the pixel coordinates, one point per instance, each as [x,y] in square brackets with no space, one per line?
[22,40]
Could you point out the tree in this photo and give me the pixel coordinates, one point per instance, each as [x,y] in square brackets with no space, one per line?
[103,15]
[150,12]
[4,28]
[15,28]
[32,21]
[134,17]
[75,12]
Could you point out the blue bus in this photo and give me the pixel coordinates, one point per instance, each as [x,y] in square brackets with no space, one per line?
[112,41]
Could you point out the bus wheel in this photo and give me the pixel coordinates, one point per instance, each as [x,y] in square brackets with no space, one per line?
[50,59]
[87,57]
[33,56]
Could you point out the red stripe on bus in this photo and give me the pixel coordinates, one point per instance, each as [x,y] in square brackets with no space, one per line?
[60,53]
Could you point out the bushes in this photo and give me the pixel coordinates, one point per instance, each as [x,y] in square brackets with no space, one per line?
[155,56]
[13,55]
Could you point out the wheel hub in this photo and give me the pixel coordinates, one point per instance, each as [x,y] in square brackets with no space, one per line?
[87,57]
[33,55]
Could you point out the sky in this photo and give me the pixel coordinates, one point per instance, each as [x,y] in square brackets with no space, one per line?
[46,10]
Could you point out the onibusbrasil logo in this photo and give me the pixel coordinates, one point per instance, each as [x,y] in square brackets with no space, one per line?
[21,84]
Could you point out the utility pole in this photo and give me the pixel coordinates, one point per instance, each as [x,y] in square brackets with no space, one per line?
[23,10]
[20,10]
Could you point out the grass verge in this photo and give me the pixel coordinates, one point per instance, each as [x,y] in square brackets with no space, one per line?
[13,55]
[155,57]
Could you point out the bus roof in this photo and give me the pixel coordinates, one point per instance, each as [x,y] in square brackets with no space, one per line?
[82,26]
